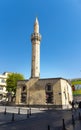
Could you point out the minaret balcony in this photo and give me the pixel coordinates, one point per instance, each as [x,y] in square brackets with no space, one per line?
[36,36]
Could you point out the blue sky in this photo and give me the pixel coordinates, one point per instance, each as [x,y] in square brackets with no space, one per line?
[60,27]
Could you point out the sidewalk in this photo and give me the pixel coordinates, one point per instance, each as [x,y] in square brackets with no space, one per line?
[9,116]
[54,118]
[65,120]
[77,126]
[72,120]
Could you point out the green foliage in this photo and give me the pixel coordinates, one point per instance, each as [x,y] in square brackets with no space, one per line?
[76,82]
[12,81]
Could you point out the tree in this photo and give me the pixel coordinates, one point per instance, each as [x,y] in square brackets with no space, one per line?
[12,81]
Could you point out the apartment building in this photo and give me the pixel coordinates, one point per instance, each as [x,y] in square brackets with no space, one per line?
[3,90]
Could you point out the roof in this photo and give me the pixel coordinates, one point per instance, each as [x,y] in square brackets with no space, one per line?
[48,79]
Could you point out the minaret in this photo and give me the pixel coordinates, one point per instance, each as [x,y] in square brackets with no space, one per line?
[35,39]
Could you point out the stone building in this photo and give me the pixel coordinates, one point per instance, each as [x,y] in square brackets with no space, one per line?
[36,91]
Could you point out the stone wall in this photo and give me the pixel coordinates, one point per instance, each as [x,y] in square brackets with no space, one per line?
[36,91]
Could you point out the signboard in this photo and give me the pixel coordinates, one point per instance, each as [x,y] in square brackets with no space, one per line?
[76,87]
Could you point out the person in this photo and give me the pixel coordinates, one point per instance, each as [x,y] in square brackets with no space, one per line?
[79,107]
[79,104]
[73,105]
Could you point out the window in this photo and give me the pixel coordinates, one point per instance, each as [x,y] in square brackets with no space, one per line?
[49,97]
[1,88]
[3,81]
[23,97]
[49,93]
[48,87]
[23,88]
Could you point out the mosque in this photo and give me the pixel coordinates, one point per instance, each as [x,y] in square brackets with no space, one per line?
[54,92]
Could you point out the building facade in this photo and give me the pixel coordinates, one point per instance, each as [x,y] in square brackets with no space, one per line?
[3,78]
[47,91]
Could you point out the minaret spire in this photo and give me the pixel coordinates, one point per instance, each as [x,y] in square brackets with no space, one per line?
[36,20]
[36,26]
[35,39]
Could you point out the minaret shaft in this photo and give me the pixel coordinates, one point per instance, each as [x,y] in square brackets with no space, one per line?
[35,39]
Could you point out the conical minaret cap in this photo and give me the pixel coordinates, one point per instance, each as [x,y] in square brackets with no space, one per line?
[36,21]
[36,26]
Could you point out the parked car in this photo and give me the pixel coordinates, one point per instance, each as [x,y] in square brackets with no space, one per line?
[3,101]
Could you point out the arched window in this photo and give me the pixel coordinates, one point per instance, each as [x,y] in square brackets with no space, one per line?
[49,93]
[24,88]
[23,94]
[49,87]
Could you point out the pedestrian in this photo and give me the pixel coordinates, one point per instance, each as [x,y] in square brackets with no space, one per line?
[79,107]
[73,105]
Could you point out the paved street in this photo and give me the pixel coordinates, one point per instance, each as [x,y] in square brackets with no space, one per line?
[39,119]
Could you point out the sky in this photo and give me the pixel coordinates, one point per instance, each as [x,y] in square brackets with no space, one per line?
[60,27]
